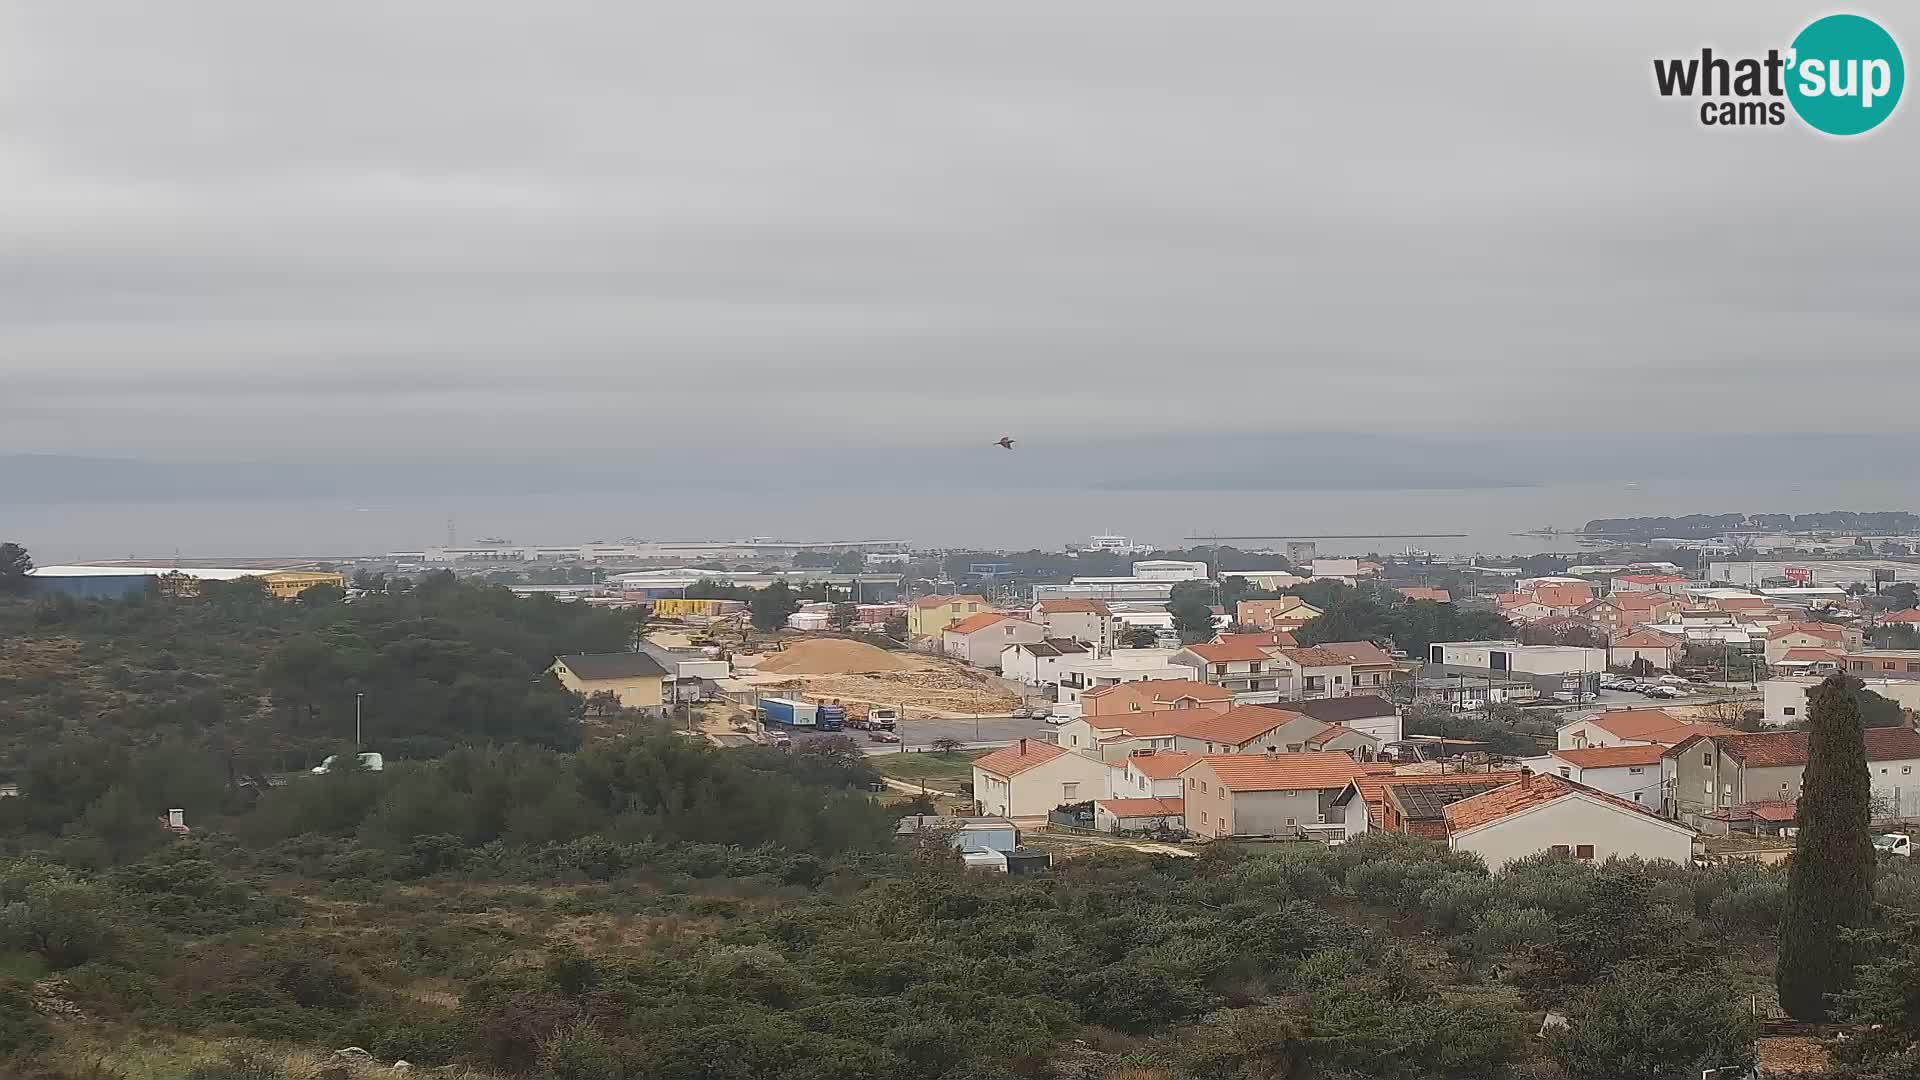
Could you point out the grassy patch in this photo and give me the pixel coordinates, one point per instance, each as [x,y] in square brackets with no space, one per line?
[932,769]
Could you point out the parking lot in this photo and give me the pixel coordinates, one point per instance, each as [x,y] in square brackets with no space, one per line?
[921,734]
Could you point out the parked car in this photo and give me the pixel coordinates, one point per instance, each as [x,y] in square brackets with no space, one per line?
[1897,843]
[1661,692]
[369,762]
[882,736]
[1058,720]
[1021,712]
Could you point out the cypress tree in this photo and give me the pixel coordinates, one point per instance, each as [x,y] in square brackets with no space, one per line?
[1830,886]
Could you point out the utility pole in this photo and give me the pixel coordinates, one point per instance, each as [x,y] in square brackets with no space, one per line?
[358,698]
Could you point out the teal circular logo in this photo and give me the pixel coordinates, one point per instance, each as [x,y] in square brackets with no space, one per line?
[1846,75]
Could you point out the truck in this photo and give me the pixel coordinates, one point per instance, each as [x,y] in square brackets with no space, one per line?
[882,718]
[1900,844]
[789,713]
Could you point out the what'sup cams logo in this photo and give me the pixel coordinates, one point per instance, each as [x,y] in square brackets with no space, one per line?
[1842,75]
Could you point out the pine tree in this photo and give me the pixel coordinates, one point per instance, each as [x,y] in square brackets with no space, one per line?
[1830,886]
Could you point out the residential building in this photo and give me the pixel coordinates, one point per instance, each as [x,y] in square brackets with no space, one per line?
[1265,794]
[1089,622]
[1148,774]
[1815,662]
[980,639]
[1619,614]
[1785,637]
[1139,815]
[1112,739]
[1039,663]
[929,615]
[1284,613]
[1884,663]
[1368,713]
[1651,646]
[966,833]
[1539,813]
[1421,592]
[1030,778]
[1631,727]
[1671,584]
[1370,669]
[634,678]
[1084,674]
[1247,729]
[1366,805]
[1504,656]
[1784,699]
[1630,771]
[1251,672]
[1323,672]
[1712,772]
[1154,695]
[1339,738]
[1339,569]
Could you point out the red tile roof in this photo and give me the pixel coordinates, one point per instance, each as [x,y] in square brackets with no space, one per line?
[1911,615]
[1421,592]
[975,623]
[1010,761]
[1235,726]
[1167,806]
[1827,631]
[1563,596]
[1644,600]
[1774,749]
[1812,655]
[1280,772]
[1063,607]
[1164,690]
[1161,764]
[1525,794]
[1148,723]
[1270,640]
[1229,652]
[1357,652]
[1316,656]
[1742,603]
[1653,725]
[1610,757]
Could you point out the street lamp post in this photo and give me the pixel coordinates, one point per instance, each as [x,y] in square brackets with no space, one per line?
[357,741]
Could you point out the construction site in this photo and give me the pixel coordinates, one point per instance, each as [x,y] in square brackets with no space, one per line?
[856,674]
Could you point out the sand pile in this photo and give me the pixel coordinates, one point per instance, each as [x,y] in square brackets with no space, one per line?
[832,656]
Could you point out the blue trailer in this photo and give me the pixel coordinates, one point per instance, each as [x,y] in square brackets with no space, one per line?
[789,713]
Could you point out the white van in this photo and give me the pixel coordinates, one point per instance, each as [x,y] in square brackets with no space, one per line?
[1898,843]
[369,762]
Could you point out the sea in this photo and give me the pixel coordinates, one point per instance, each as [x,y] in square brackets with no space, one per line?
[1481,521]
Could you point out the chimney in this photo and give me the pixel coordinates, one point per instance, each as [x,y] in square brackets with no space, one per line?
[1023,748]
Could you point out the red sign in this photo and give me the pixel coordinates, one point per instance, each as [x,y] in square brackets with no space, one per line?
[1799,574]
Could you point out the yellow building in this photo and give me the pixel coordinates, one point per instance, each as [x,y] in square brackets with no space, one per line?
[289,584]
[929,615]
[636,679]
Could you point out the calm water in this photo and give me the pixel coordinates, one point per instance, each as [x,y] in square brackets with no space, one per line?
[947,518]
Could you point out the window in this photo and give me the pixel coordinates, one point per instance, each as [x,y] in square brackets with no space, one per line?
[1562,849]
[1635,770]
[1636,796]
[1203,786]
[1584,851]
[1707,759]
[1339,680]
[1223,794]
[1566,772]
[1069,791]
[1289,823]
[1203,817]
[1790,710]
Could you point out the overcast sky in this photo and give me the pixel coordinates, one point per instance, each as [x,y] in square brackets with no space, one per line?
[481,230]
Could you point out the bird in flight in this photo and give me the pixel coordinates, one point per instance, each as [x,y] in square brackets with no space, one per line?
[1005,443]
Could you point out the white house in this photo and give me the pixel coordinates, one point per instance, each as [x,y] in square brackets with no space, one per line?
[1654,647]
[1030,777]
[980,639]
[1039,663]
[1631,771]
[1089,622]
[1140,815]
[1148,774]
[1552,813]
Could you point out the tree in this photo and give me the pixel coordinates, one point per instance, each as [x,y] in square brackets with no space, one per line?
[1139,637]
[322,595]
[771,606]
[1646,1023]
[1902,595]
[946,747]
[1192,607]
[1895,636]
[896,627]
[1830,884]
[842,616]
[14,565]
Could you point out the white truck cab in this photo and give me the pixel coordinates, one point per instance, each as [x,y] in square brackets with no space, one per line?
[1898,843]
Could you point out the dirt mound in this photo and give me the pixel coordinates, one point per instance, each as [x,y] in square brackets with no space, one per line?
[832,656]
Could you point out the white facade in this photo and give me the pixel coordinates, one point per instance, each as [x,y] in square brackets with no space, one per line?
[1107,588]
[1634,783]
[1513,656]
[982,647]
[1336,568]
[1584,825]
[1079,674]
[1169,570]
[1785,699]
[1032,793]
[1090,628]
[1022,665]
